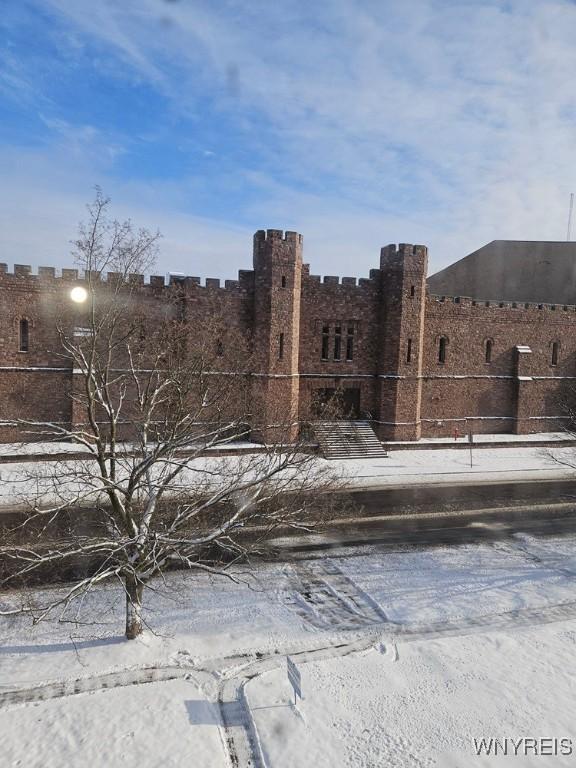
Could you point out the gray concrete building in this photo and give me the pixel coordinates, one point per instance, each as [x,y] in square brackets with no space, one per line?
[512,270]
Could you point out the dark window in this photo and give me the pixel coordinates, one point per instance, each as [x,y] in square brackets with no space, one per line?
[412,290]
[488,354]
[337,343]
[555,350]
[283,281]
[281,346]
[219,348]
[24,336]
[409,351]
[442,350]
[325,341]
[350,343]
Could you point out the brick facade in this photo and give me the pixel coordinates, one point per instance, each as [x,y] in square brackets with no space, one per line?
[416,364]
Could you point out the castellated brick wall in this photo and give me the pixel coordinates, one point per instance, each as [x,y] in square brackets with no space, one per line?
[486,394]
[415,364]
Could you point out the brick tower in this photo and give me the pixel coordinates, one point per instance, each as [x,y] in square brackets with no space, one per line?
[277,281]
[403,274]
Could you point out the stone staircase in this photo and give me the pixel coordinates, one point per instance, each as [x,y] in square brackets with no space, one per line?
[348,440]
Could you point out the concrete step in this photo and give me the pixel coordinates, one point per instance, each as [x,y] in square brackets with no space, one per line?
[348,439]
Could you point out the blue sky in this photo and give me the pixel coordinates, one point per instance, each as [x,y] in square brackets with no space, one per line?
[357,123]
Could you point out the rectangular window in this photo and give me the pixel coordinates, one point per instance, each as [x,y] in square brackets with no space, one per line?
[409,351]
[325,342]
[442,350]
[555,353]
[350,343]
[281,346]
[24,336]
[337,343]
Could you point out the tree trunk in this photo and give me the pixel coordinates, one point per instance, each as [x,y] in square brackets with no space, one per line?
[133,606]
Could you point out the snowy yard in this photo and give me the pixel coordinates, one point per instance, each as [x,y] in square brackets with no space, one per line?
[406,657]
[449,465]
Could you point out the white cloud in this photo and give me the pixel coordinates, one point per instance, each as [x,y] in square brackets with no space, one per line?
[448,123]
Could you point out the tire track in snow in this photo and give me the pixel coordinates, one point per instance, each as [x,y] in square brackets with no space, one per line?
[517,617]
[243,744]
[529,548]
[325,598]
[239,734]
[106,681]
[328,599]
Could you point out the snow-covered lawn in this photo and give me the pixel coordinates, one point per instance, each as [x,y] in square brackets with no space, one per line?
[424,706]
[452,466]
[167,724]
[405,658]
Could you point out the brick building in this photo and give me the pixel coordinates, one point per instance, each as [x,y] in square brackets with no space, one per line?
[415,364]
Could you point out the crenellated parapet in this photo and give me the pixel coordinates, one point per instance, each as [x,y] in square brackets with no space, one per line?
[23,276]
[391,252]
[344,283]
[266,235]
[435,301]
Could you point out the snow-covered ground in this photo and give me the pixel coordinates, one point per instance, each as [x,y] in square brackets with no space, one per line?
[406,657]
[499,437]
[446,465]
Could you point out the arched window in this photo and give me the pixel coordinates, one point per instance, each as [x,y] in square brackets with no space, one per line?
[24,336]
[442,343]
[488,351]
[555,353]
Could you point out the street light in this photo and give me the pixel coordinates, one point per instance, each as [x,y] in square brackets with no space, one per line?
[79,294]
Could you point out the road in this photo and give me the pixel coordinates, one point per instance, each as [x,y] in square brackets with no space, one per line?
[445,515]
[473,496]
[430,515]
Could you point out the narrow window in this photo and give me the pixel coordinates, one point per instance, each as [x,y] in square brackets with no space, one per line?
[337,343]
[281,346]
[442,350]
[350,343]
[219,348]
[555,353]
[283,281]
[488,354]
[409,351]
[24,336]
[325,341]
[412,290]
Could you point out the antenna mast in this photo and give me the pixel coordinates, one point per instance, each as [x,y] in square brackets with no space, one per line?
[570,215]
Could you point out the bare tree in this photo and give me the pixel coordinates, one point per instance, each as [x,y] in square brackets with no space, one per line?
[152,402]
